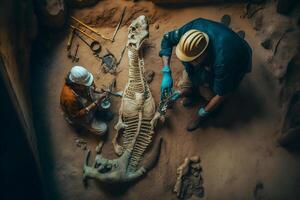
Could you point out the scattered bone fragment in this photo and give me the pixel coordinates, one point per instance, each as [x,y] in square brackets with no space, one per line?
[189,181]
[80,143]
[99,147]
[149,75]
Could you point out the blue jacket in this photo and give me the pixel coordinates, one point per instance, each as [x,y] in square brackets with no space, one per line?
[229,56]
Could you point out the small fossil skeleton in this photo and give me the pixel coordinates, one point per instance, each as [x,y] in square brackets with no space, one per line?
[137,118]
[189,180]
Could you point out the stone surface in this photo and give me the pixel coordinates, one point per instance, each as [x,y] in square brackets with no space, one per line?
[284,49]
[285,6]
[280,35]
[290,100]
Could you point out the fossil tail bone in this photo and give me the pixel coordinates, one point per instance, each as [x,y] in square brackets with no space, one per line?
[114,171]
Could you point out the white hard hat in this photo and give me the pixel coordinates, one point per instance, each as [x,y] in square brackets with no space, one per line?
[81,76]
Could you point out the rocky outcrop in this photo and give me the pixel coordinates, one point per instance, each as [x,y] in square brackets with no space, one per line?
[290,100]
[280,38]
[280,35]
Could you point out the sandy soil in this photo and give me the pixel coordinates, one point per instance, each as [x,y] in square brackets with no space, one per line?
[237,147]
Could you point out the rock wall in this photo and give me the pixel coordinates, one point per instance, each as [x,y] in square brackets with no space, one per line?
[19,155]
[18,28]
[280,37]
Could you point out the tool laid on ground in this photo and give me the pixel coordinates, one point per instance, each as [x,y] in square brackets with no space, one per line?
[83,32]
[122,54]
[74,57]
[89,28]
[95,46]
[70,39]
[109,62]
[119,24]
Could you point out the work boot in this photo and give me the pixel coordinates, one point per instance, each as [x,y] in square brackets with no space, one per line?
[194,123]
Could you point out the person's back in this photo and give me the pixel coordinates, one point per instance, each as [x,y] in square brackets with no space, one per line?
[225,46]
[69,103]
[215,61]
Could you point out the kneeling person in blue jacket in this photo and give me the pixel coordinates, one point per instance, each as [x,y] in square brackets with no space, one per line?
[215,60]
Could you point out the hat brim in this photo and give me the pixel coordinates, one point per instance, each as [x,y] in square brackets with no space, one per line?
[88,82]
[183,57]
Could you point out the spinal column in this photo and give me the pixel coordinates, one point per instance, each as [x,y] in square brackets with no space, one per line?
[138,107]
[138,128]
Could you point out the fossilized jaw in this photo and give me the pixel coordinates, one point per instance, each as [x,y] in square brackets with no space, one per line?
[138,32]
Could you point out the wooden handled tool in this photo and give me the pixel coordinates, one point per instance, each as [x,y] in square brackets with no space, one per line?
[90,28]
[70,39]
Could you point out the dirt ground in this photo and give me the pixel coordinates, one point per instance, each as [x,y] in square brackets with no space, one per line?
[237,147]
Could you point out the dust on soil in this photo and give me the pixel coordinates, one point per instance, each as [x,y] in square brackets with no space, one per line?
[237,146]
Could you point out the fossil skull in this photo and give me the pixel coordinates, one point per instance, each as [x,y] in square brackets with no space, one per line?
[138,32]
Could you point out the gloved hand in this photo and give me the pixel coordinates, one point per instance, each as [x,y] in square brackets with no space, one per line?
[202,112]
[167,82]
[176,95]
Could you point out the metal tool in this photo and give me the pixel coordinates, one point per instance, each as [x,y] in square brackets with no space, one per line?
[70,39]
[90,28]
[122,54]
[119,24]
[165,103]
[105,103]
[84,33]
[95,46]
[74,57]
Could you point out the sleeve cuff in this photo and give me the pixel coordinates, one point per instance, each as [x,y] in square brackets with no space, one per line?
[165,52]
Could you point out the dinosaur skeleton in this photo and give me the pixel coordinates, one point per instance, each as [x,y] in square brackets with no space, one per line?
[137,118]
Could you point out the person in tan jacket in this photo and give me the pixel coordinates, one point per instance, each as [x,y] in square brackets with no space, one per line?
[80,101]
